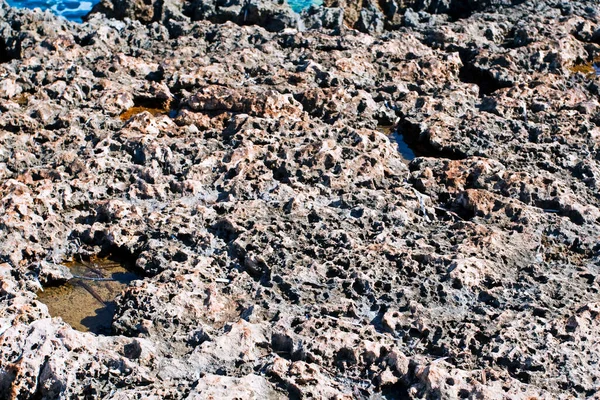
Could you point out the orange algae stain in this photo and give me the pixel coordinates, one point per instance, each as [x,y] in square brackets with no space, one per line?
[386,129]
[21,99]
[585,69]
[140,109]
[588,68]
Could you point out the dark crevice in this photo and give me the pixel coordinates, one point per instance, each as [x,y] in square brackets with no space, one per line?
[107,249]
[40,389]
[460,10]
[460,210]
[287,290]
[224,230]
[483,78]
[153,103]
[84,41]
[4,56]
[419,143]
[515,369]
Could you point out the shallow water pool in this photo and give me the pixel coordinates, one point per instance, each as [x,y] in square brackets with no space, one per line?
[406,152]
[86,302]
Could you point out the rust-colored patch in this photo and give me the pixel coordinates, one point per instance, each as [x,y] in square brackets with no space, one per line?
[21,99]
[351,10]
[135,110]
[586,68]
[386,129]
[154,106]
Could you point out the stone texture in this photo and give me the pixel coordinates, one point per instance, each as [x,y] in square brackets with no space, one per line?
[287,248]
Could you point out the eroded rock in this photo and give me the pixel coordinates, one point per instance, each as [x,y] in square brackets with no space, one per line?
[287,248]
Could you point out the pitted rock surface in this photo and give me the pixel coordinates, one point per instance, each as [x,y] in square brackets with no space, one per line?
[286,247]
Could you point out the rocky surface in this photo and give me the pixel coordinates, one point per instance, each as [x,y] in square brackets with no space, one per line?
[288,250]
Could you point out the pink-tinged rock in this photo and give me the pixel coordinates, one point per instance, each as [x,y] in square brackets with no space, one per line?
[222,387]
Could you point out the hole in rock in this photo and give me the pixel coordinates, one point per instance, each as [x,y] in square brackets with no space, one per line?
[21,99]
[396,391]
[154,106]
[86,302]
[420,144]
[487,82]
[4,53]
[406,152]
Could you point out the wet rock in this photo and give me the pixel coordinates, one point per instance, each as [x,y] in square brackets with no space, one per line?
[50,272]
[323,18]
[273,16]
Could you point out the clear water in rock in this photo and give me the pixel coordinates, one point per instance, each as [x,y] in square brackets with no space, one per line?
[86,302]
[404,149]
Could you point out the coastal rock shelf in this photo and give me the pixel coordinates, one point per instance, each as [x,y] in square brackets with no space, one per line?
[288,248]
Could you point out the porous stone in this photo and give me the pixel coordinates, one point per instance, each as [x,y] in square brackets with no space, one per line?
[242,163]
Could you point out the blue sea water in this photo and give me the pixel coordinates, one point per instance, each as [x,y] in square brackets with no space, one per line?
[75,10]
[299,5]
[72,10]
